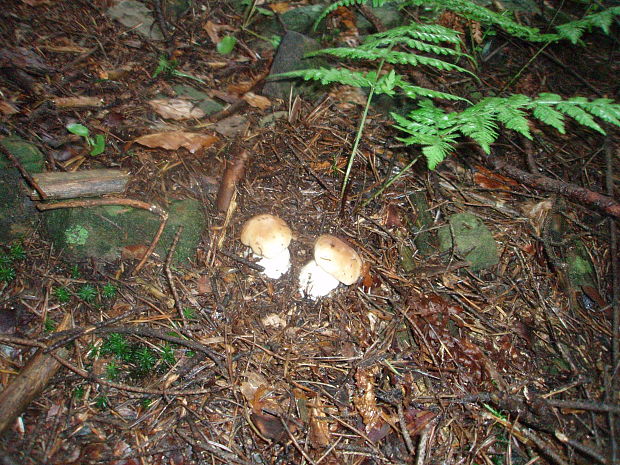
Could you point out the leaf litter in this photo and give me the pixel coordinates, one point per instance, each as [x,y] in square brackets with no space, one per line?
[450,366]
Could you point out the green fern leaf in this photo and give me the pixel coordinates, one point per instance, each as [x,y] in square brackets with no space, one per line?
[411,43]
[605,109]
[427,32]
[510,114]
[549,116]
[387,83]
[331,75]
[415,92]
[571,107]
[435,154]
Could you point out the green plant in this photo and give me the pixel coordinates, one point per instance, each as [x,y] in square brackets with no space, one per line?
[434,129]
[112,370]
[102,402]
[169,68]
[7,273]
[87,293]
[62,294]
[116,344]
[167,354]
[108,291]
[226,45]
[189,313]
[78,392]
[145,360]
[96,144]
[49,325]
[75,271]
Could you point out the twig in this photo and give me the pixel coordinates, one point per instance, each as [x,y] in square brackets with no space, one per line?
[403,428]
[243,261]
[581,447]
[111,201]
[295,442]
[225,456]
[572,191]
[173,288]
[23,171]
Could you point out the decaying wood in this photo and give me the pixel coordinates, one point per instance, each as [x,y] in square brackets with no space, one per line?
[572,191]
[30,382]
[23,172]
[87,183]
[232,175]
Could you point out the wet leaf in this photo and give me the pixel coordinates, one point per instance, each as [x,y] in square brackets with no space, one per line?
[366,401]
[176,139]
[319,426]
[257,101]
[176,109]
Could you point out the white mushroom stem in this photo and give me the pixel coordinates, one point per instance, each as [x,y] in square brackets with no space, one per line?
[276,266]
[314,282]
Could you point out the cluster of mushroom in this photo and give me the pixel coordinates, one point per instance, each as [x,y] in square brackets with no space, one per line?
[334,260]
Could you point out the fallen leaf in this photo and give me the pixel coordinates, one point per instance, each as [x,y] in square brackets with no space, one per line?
[212,30]
[7,108]
[319,427]
[232,126]
[257,101]
[366,401]
[176,109]
[204,284]
[176,139]
[240,88]
[36,2]
[133,252]
[280,7]
[274,320]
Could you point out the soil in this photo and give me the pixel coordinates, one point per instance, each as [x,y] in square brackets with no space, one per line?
[215,363]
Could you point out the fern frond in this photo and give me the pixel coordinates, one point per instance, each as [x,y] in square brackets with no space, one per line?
[550,116]
[575,29]
[331,75]
[572,108]
[428,32]
[411,43]
[415,92]
[471,10]
[512,115]
[334,6]
[390,56]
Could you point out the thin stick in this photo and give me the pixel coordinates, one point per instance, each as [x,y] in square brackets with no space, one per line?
[173,288]
[23,171]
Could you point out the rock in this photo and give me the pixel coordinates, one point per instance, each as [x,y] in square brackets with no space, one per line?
[301,19]
[17,212]
[202,100]
[289,57]
[102,232]
[474,242]
[136,16]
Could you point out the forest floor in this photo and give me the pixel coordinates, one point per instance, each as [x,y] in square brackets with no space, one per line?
[423,360]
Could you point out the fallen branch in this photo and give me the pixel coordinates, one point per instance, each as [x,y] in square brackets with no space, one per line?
[30,382]
[572,191]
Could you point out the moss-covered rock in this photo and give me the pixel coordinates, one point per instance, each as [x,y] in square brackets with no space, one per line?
[102,232]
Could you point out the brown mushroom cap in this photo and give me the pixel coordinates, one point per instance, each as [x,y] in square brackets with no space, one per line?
[267,235]
[338,259]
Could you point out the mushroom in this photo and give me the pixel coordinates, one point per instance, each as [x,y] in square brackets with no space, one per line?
[334,262]
[269,236]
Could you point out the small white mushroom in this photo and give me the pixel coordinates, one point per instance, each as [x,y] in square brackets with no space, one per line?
[269,237]
[334,262]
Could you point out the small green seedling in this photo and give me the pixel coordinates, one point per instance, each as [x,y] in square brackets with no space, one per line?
[87,293]
[226,45]
[96,144]
[169,67]
[62,294]
[108,291]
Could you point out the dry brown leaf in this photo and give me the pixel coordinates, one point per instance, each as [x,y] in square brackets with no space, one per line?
[240,88]
[212,31]
[36,2]
[174,140]
[232,126]
[176,109]
[319,427]
[257,101]
[280,7]
[366,402]
[133,252]
[7,108]
[65,48]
